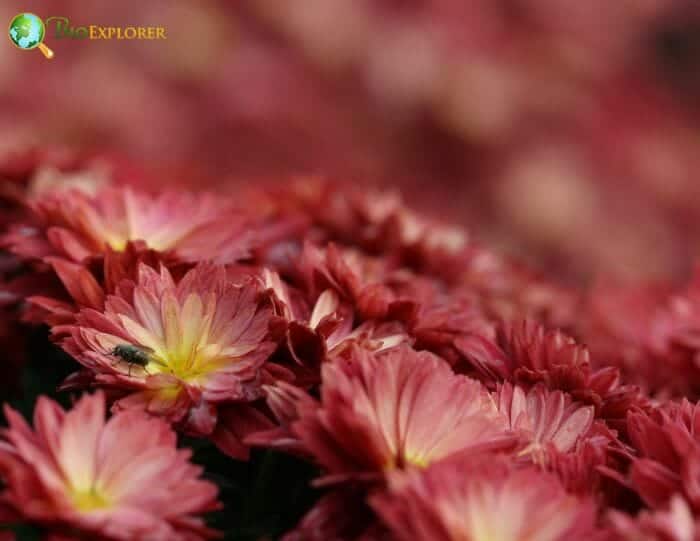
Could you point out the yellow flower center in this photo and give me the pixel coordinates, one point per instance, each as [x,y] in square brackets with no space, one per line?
[185,346]
[185,368]
[116,242]
[417,459]
[408,458]
[89,500]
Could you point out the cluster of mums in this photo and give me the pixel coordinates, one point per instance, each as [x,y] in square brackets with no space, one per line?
[444,392]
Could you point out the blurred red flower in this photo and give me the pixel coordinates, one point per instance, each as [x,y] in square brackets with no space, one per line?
[77,225]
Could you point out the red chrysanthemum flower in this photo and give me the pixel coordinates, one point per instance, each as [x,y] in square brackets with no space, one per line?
[120,479]
[310,333]
[316,334]
[508,290]
[342,514]
[649,333]
[362,281]
[13,345]
[177,349]
[583,471]
[449,323]
[286,402]
[667,441]
[676,523]
[528,353]
[482,500]
[76,225]
[396,410]
[673,339]
[378,222]
[81,287]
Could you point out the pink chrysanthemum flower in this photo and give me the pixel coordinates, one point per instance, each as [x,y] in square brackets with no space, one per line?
[76,225]
[177,349]
[482,501]
[120,479]
[544,419]
[397,410]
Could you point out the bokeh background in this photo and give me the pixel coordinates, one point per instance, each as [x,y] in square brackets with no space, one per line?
[564,132]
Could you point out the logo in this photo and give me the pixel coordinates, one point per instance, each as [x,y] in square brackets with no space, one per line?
[27,32]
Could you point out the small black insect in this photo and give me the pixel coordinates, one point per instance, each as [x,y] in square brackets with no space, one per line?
[135,355]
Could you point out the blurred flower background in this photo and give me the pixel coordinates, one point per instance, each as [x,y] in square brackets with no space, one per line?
[563,132]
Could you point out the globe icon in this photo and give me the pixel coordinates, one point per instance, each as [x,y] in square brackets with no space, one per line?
[26,30]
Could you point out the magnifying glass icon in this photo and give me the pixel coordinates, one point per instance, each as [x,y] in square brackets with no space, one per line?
[27,32]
